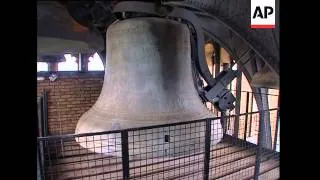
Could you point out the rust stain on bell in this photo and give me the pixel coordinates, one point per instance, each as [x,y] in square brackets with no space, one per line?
[148,81]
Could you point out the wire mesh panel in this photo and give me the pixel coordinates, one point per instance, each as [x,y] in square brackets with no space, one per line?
[170,152]
[270,157]
[237,158]
[248,128]
[185,150]
[64,158]
[232,158]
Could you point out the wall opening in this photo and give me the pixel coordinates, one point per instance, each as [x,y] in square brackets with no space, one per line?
[95,63]
[42,67]
[69,65]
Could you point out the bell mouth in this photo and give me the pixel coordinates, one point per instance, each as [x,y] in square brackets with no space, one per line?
[107,144]
[162,142]
[97,120]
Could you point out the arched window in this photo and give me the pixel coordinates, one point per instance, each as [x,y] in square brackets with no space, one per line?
[69,65]
[95,63]
[42,66]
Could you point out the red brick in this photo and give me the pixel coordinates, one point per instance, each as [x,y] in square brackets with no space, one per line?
[68,99]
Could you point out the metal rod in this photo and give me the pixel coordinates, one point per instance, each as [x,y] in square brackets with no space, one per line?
[261,138]
[125,154]
[207,149]
[216,64]
[238,104]
[224,121]
[266,120]
[45,112]
[250,122]
[40,116]
[251,92]
[84,62]
[228,121]
[277,126]
[140,128]
[39,174]
[41,159]
[213,75]
[217,55]
[79,62]
[246,120]
[53,66]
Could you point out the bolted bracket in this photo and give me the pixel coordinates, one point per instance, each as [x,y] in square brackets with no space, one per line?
[226,101]
[217,94]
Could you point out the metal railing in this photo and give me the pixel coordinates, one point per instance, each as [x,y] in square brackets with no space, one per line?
[42,104]
[184,150]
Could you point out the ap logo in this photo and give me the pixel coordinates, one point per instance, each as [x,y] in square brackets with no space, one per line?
[263,14]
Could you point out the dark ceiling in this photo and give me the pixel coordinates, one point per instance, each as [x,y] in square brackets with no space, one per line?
[79,27]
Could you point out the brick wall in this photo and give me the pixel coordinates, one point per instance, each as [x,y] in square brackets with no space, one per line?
[70,96]
[68,99]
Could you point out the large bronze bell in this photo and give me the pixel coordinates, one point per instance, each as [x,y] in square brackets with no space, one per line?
[148,81]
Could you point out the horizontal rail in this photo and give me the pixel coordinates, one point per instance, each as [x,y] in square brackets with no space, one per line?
[256,93]
[65,136]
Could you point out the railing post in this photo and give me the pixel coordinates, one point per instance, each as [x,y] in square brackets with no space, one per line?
[238,105]
[276,131]
[250,122]
[224,122]
[267,142]
[40,157]
[45,112]
[277,126]
[207,149]
[246,120]
[125,154]
[261,138]
[40,116]
[83,58]
[228,121]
